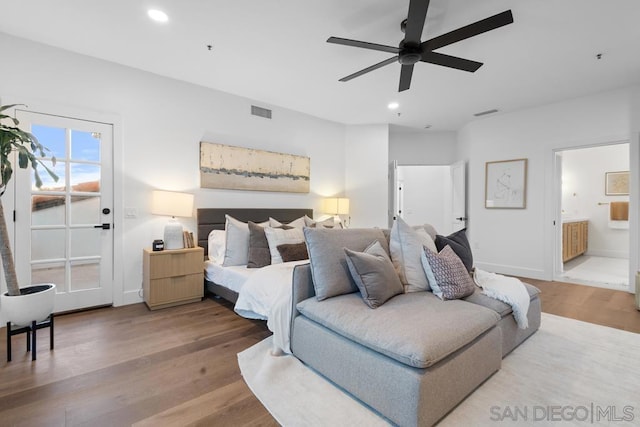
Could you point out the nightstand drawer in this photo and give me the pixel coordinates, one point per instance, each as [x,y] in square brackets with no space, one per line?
[175,289]
[175,263]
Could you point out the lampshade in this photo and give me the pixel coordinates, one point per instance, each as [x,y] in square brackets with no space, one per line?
[171,203]
[336,206]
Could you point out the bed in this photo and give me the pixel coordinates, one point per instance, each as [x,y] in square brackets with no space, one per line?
[229,280]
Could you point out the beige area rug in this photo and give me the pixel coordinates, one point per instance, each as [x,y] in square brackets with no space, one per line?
[568,373]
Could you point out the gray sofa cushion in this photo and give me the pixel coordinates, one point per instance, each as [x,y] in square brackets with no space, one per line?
[373,272]
[498,306]
[331,276]
[416,329]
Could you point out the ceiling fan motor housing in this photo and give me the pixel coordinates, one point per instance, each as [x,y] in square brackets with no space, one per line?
[409,54]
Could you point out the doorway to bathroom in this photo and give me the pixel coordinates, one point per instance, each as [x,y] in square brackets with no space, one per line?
[592,243]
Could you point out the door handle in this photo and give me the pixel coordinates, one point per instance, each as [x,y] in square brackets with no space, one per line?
[462,218]
[105,226]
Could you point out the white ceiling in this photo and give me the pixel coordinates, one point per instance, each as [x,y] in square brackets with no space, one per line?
[275,52]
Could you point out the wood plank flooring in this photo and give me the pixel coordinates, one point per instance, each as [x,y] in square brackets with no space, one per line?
[177,367]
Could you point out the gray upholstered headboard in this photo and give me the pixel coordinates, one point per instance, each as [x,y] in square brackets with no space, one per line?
[213,219]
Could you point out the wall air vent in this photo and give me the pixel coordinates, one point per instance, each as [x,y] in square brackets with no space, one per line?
[260,112]
[484,113]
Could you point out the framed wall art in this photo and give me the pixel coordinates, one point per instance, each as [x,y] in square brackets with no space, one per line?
[238,168]
[616,183]
[506,184]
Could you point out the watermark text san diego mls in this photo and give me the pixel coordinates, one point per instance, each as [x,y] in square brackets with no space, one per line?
[589,413]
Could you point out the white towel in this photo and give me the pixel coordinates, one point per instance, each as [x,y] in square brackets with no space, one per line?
[509,290]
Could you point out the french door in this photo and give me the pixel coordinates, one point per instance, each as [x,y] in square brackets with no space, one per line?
[63,230]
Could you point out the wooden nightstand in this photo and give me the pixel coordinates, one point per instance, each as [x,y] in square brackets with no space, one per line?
[173,277]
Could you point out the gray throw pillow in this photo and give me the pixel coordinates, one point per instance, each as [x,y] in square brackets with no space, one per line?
[374,274]
[259,255]
[329,270]
[460,245]
[452,278]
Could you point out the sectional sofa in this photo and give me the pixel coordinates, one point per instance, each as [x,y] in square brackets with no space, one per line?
[411,359]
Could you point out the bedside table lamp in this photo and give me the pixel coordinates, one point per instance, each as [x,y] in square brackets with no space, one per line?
[171,203]
[336,206]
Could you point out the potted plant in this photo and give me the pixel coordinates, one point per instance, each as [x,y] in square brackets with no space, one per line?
[20,306]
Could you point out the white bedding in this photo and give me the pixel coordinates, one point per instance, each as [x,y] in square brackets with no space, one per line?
[263,293]
[230,277]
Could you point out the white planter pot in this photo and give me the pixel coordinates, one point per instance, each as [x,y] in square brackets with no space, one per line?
[23,309]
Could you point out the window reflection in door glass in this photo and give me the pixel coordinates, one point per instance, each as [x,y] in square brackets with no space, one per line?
[51,137]
[85,178]
[85,146]
[48,184]
[85,210]
[48,210]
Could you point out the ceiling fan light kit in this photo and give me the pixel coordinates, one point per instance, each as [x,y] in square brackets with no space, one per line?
[412,50]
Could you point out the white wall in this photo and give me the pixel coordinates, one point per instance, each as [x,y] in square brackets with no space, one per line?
[583,187]
[367,166]
[161,124]
[422,147]
[519,241]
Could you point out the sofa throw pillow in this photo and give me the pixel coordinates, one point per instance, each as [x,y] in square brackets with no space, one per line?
[406,245]
[279,236]
[330,222]
[452,278]
[293,251]
[216,246]
[460,245]
[329,269]
[430,229]
[237,241]
[374,274]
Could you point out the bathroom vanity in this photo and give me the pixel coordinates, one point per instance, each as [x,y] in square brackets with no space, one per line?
[575,237]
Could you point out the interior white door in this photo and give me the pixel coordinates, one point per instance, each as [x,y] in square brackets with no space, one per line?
[458,196]
[393,192]
[64,230]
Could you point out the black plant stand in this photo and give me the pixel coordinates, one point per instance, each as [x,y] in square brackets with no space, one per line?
[31,335]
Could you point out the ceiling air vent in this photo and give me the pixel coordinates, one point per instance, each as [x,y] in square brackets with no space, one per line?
[484,113]
[260,112]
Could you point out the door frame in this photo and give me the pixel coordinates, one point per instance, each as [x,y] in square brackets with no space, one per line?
[554,212]
[115,120]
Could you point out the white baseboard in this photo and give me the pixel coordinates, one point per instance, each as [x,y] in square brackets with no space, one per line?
[608,253]
[132,297]
[512,270]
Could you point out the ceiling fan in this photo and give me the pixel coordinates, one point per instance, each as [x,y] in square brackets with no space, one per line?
[411,50]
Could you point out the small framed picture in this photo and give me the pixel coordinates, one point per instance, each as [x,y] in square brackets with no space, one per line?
[616,183]
[505,184]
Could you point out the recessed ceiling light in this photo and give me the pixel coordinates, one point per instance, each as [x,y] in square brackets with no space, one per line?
[157,15]
[427,126]
[393,105]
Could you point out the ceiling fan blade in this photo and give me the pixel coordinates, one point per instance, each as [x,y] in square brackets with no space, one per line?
[451,61]
[369,69]
[405,77]
[482,26]
[364,45]
[415,21]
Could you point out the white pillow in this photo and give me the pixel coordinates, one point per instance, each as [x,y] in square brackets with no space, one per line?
[331,222]
[406,247]
[296,223]
[217,244]
[279,236]
[237,241]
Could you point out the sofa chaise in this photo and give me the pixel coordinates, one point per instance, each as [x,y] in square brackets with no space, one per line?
[412,359]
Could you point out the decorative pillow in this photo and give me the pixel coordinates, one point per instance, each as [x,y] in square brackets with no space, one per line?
[329,270]
[325,223]
[430,229]
[293,251]
[460,245]
[374,274]
[236,242]
[452,278]
[406,246]
[278,236]
[431,278]
[296,223]
[259,254]
[216,246]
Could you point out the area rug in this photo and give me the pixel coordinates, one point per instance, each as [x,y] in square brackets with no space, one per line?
[568,373]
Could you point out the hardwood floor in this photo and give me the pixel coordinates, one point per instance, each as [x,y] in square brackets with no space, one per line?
[131,366]
[178,367]
[590,304]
